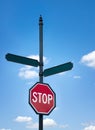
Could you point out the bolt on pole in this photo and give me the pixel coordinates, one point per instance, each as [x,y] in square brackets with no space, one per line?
[41,64]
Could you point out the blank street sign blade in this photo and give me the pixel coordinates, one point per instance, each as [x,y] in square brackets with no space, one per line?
[22,60]
[58,69]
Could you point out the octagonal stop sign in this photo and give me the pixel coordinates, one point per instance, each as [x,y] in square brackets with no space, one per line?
[42,98]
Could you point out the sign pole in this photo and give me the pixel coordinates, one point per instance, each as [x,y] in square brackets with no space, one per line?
[40,64]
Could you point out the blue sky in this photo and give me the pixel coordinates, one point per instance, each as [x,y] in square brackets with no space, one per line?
[69,35]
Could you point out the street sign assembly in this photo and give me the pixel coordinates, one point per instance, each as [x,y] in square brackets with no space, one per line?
[41,97]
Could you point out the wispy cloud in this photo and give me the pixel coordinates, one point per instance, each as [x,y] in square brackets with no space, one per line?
[64,126]
[36,57]
[4,129]
[46,123]
[89,59]
[49,122]
[76,77]
[30,124]
[23,119]
[62,73]
[89,125]
[28,72]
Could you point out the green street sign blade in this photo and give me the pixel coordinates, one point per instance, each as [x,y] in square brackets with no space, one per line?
[22,60]
[58,69]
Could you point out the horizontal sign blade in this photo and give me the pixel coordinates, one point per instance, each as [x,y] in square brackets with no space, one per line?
[58,69]
[22,60]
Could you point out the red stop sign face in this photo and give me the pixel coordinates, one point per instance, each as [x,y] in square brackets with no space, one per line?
[42,98]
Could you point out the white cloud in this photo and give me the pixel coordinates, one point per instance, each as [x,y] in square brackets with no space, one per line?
[88,123]
[89,59]
[23,119]
[64,126]
[77,77]
[28,120]
[32,125]
[49,122]
[4,129]
[36,57]
[46,123]
[91,127]
[62,73]
[29,72]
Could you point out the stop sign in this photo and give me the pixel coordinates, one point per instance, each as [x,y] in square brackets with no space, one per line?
[42,98]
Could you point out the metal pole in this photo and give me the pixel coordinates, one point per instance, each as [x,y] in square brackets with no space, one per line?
[41,64]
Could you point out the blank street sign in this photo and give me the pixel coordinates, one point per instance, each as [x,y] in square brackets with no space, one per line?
[58,69]
[22,60]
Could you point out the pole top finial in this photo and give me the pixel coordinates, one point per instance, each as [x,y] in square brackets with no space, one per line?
[40,20]
[40,15]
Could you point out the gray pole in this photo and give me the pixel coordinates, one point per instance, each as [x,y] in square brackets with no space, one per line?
[41,49]
[41,64]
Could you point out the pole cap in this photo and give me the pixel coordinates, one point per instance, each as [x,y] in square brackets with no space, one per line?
[40,20]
